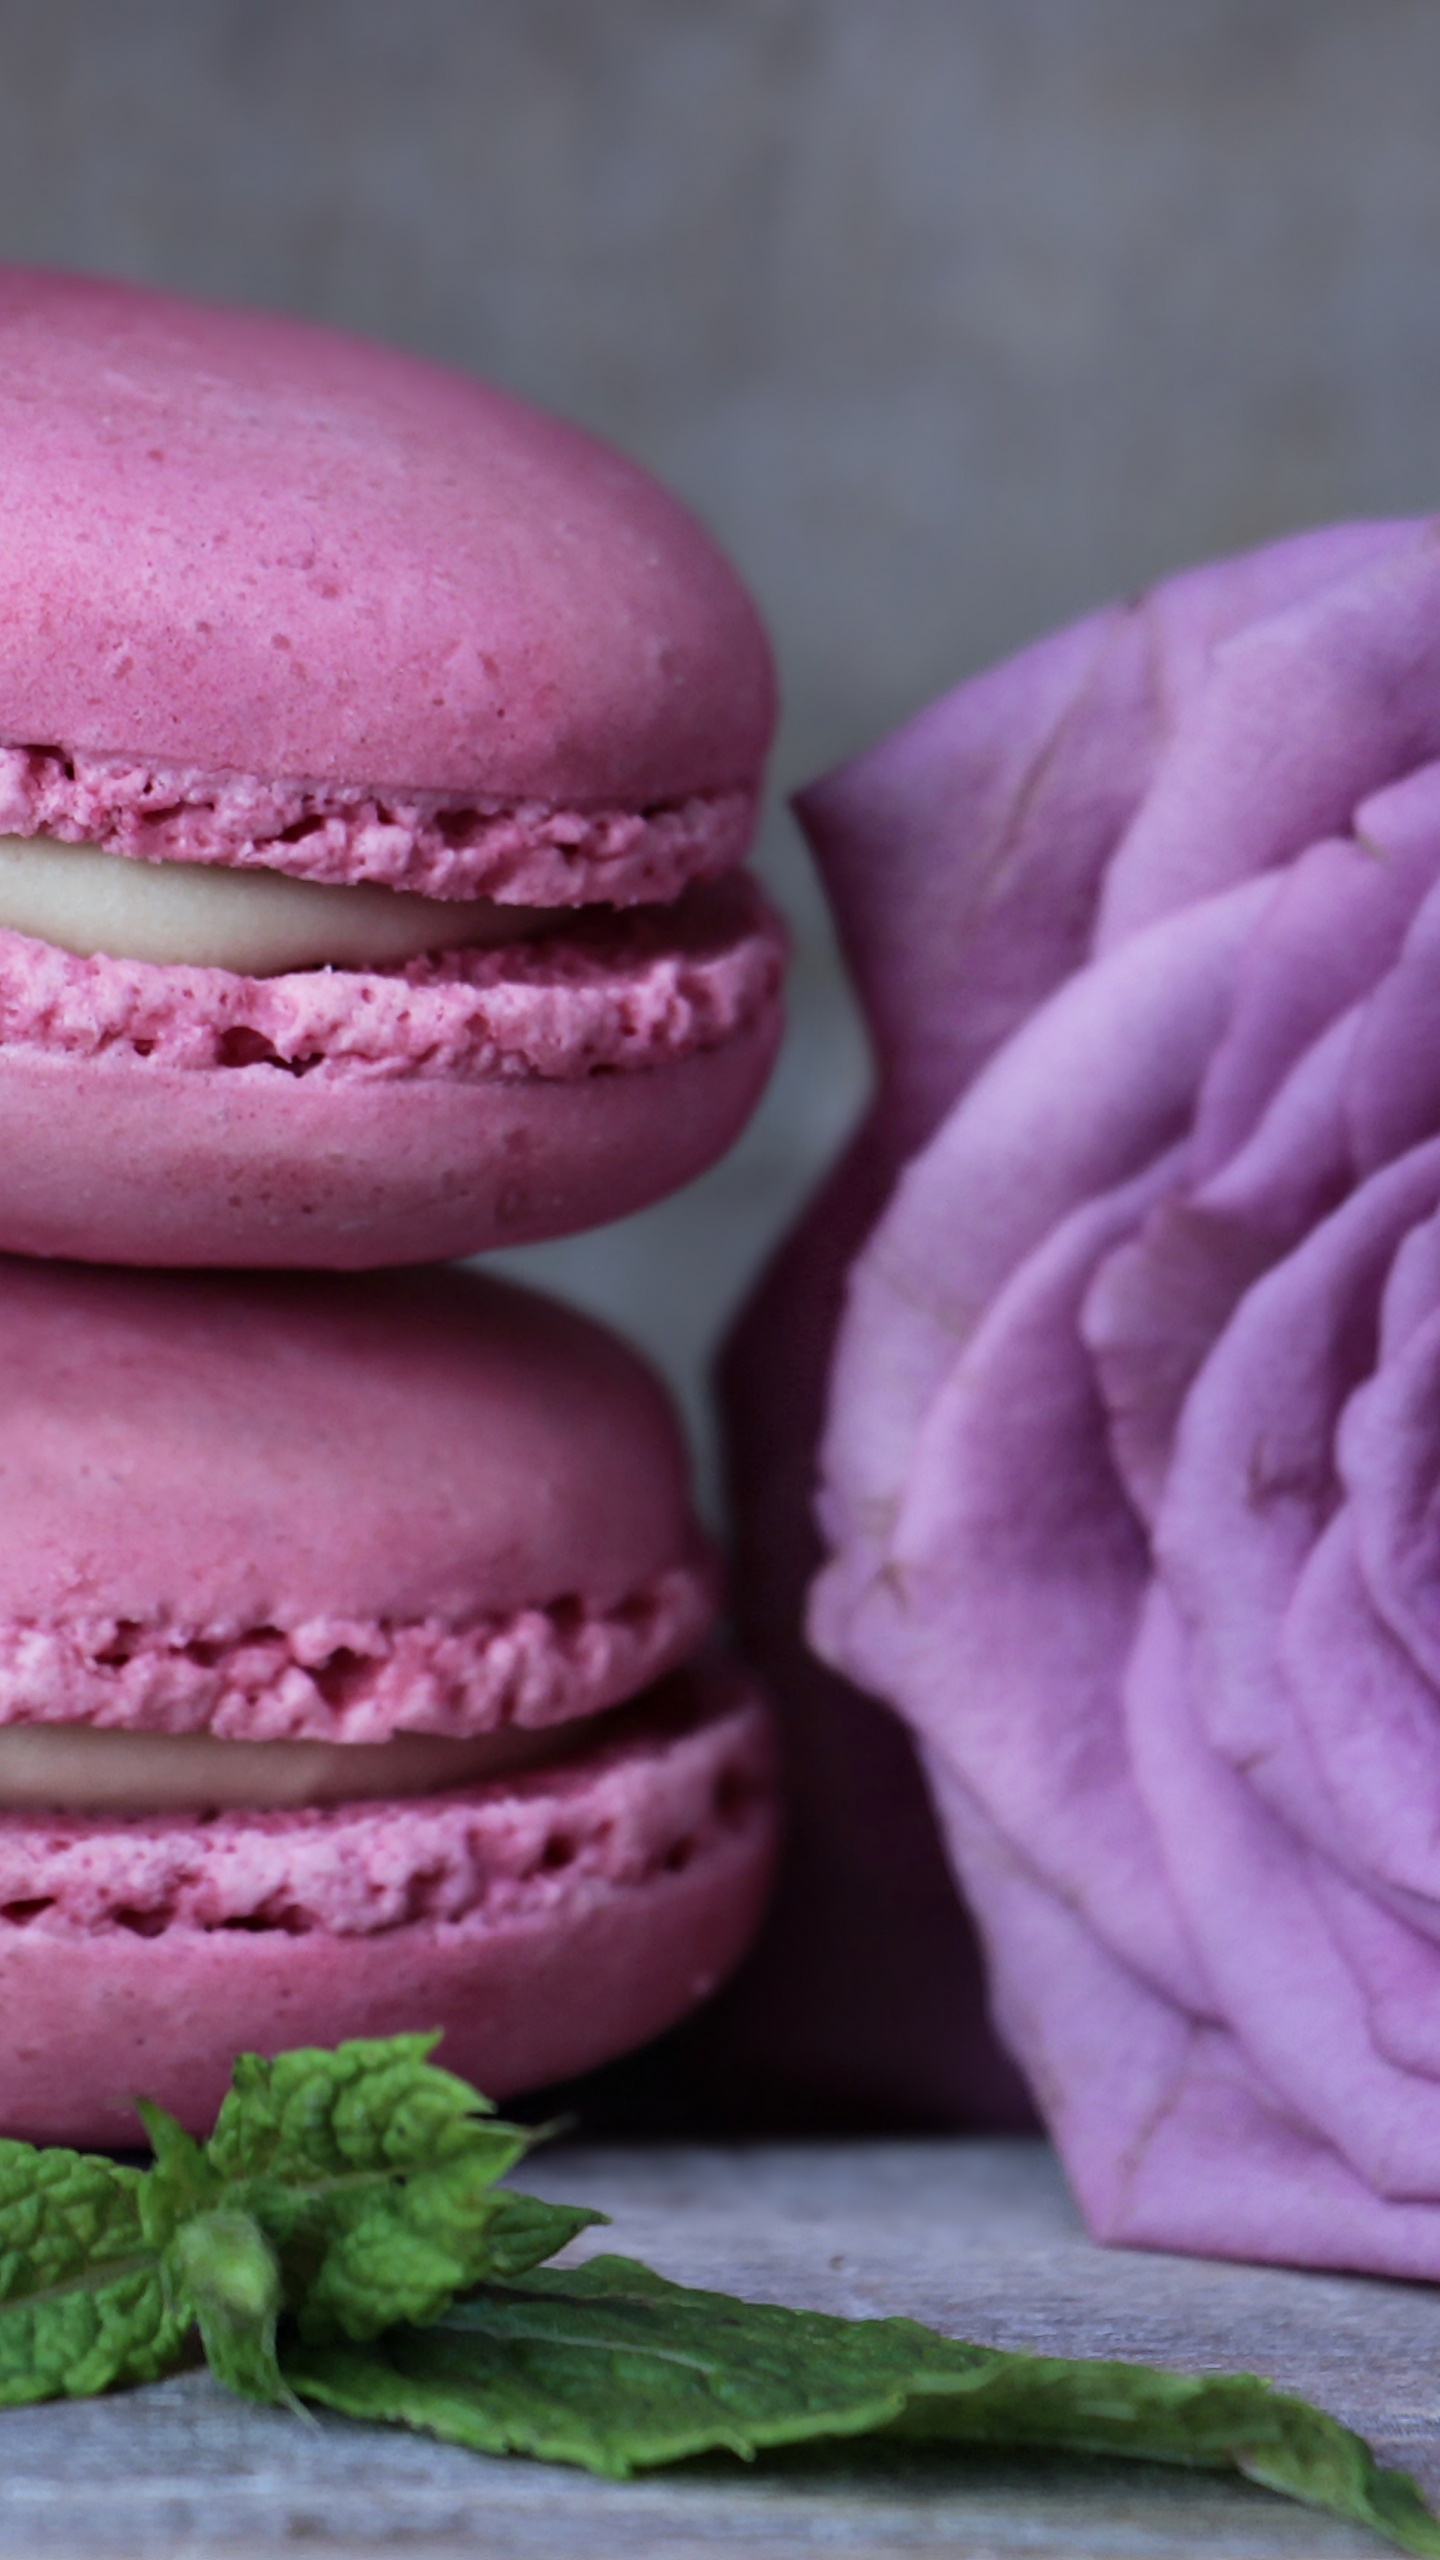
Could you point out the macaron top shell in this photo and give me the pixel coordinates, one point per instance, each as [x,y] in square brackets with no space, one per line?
[198,1453]
[244,544]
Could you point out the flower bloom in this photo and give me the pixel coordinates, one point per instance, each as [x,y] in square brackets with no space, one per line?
[1131,1478]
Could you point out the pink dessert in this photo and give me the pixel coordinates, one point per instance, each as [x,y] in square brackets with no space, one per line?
[348,1684]
[377,758]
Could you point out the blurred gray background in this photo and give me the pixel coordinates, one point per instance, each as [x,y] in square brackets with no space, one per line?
[950,316]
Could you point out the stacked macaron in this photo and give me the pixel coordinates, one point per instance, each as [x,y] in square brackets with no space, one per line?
[377,761]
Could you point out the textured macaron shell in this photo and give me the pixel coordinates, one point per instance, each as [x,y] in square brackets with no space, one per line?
[242,544]
[545,1923]
[392,1499]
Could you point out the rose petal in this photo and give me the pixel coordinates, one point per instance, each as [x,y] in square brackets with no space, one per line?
[1301,713]
[1412,1288]
[1389,1447]
[964,853]
[1171,2137]
[1336,925]
[1296,1165]
[1369,1791]
[1158,1303]
[1015,1675]
[1398,1966]
[1394,1098]
[1246,1888]
[1100,2044]
[1095,1086]
[1254,1479]
[1402,822]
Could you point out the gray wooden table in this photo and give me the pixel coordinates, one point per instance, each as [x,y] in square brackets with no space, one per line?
[976,2237]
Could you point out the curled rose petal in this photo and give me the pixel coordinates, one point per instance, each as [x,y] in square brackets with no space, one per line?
[1367,1740]
[1036,1651]
[1300,712]
[1099,1081]
[1339,917]
[1217,2164]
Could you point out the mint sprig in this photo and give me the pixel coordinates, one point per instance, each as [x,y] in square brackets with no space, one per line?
[340,2191]
[341,2239]
[373,2176]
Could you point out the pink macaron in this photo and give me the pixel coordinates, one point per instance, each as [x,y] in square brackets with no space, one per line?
[377,762]
[353,1678]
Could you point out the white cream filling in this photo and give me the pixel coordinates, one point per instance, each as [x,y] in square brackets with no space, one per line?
[47,1768]
[254,922]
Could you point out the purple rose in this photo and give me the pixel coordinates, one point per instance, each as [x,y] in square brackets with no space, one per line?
[1131,1480]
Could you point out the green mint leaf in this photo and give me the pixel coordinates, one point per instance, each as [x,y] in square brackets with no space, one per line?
[181,2182]
[401,2255]
[524,2230]
[407,2254]
[371,2105]
[610,2366]
[83,2300]
[223,2264]
[372,2174]
[1221,2422]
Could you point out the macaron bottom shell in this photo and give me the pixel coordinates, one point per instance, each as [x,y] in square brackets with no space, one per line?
[123,1159]
[566,1917]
